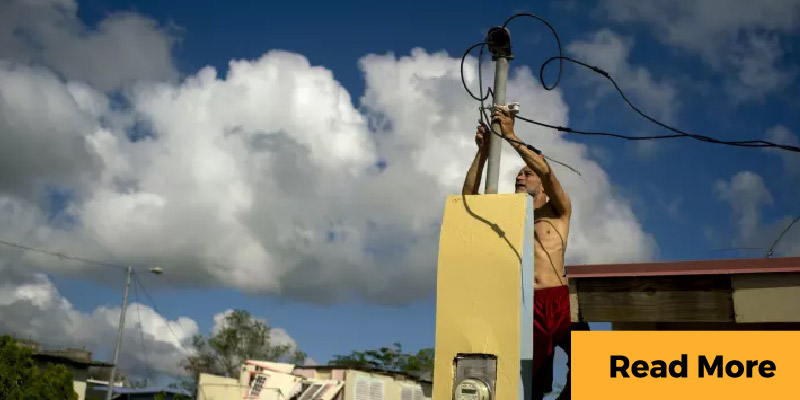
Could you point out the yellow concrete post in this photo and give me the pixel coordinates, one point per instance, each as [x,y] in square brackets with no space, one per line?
[485,290]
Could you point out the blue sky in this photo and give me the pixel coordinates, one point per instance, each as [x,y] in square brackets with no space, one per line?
[214,33]
[684,193]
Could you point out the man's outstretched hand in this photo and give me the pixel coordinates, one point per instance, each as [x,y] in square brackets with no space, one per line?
[506,121]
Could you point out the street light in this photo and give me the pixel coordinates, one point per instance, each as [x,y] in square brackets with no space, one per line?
[153,270]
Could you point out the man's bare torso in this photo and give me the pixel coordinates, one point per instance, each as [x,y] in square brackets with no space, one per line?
[550,235]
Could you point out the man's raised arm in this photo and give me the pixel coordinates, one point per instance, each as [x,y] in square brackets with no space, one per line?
[472,181]
[552,187]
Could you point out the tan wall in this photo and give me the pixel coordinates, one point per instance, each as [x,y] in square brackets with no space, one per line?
[80,389]
[478,287]
[212,387]
[307,373]
[279,386]
[392,386]
[338,374]
[326,375]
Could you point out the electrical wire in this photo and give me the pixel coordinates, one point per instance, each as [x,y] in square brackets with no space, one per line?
[786,229]
[678,132]
[155,308]
[141,328]
[533,149]
[561,58]
[463,80]
[484,120]
[186,352]
[555,35]
[137,284]
[61,255]
[64,256]
[737,249]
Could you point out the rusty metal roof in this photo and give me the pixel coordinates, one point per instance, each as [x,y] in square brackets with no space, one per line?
[697,267]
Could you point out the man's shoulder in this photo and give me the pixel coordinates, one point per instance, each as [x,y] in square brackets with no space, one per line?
[547,210]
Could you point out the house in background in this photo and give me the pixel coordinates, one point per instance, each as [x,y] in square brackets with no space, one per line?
[78,361]
[370,384]
[276,381]
[260,380]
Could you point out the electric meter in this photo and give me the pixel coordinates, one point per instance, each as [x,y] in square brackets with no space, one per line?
[472,389]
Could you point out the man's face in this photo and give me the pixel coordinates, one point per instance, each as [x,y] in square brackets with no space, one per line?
[528,182]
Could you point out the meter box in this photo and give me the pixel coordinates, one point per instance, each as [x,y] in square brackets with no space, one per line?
[475,377]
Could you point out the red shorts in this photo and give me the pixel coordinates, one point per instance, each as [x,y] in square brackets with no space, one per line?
[551,328]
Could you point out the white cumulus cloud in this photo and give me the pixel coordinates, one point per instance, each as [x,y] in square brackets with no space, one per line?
[270,178]
[32,308]
[747,194]
[122,49]
[610,51]
[741,39]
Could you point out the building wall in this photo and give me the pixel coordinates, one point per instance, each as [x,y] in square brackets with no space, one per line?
[324,374]
[481,310]
[278,386]
[338,374]
[391,387]
[79,377]
[80,389]
[212,387]
[306,373]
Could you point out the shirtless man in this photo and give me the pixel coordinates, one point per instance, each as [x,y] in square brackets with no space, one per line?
[552,211]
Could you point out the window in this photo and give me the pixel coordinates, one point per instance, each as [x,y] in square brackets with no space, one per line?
[376,390]
[417,393]
[362,389]
[368,389]
[411,393]
[312,390]
[256,384]
[322,390]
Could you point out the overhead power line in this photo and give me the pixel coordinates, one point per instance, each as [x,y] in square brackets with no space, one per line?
[186,352]
[786,229]
[560,57]
[485,120]
[155,308]
[65,256]
[141,330]
[61,255]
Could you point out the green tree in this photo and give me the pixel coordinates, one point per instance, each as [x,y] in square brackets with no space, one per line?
[389,359]
[16,368]
[241,338]
[54,382]
[21,379]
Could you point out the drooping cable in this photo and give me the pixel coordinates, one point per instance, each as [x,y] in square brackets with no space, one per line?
[560,57]
[786,229]
[61,255]
[141,328]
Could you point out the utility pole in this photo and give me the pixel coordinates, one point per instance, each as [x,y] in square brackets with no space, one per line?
[110,391]
[499,40]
